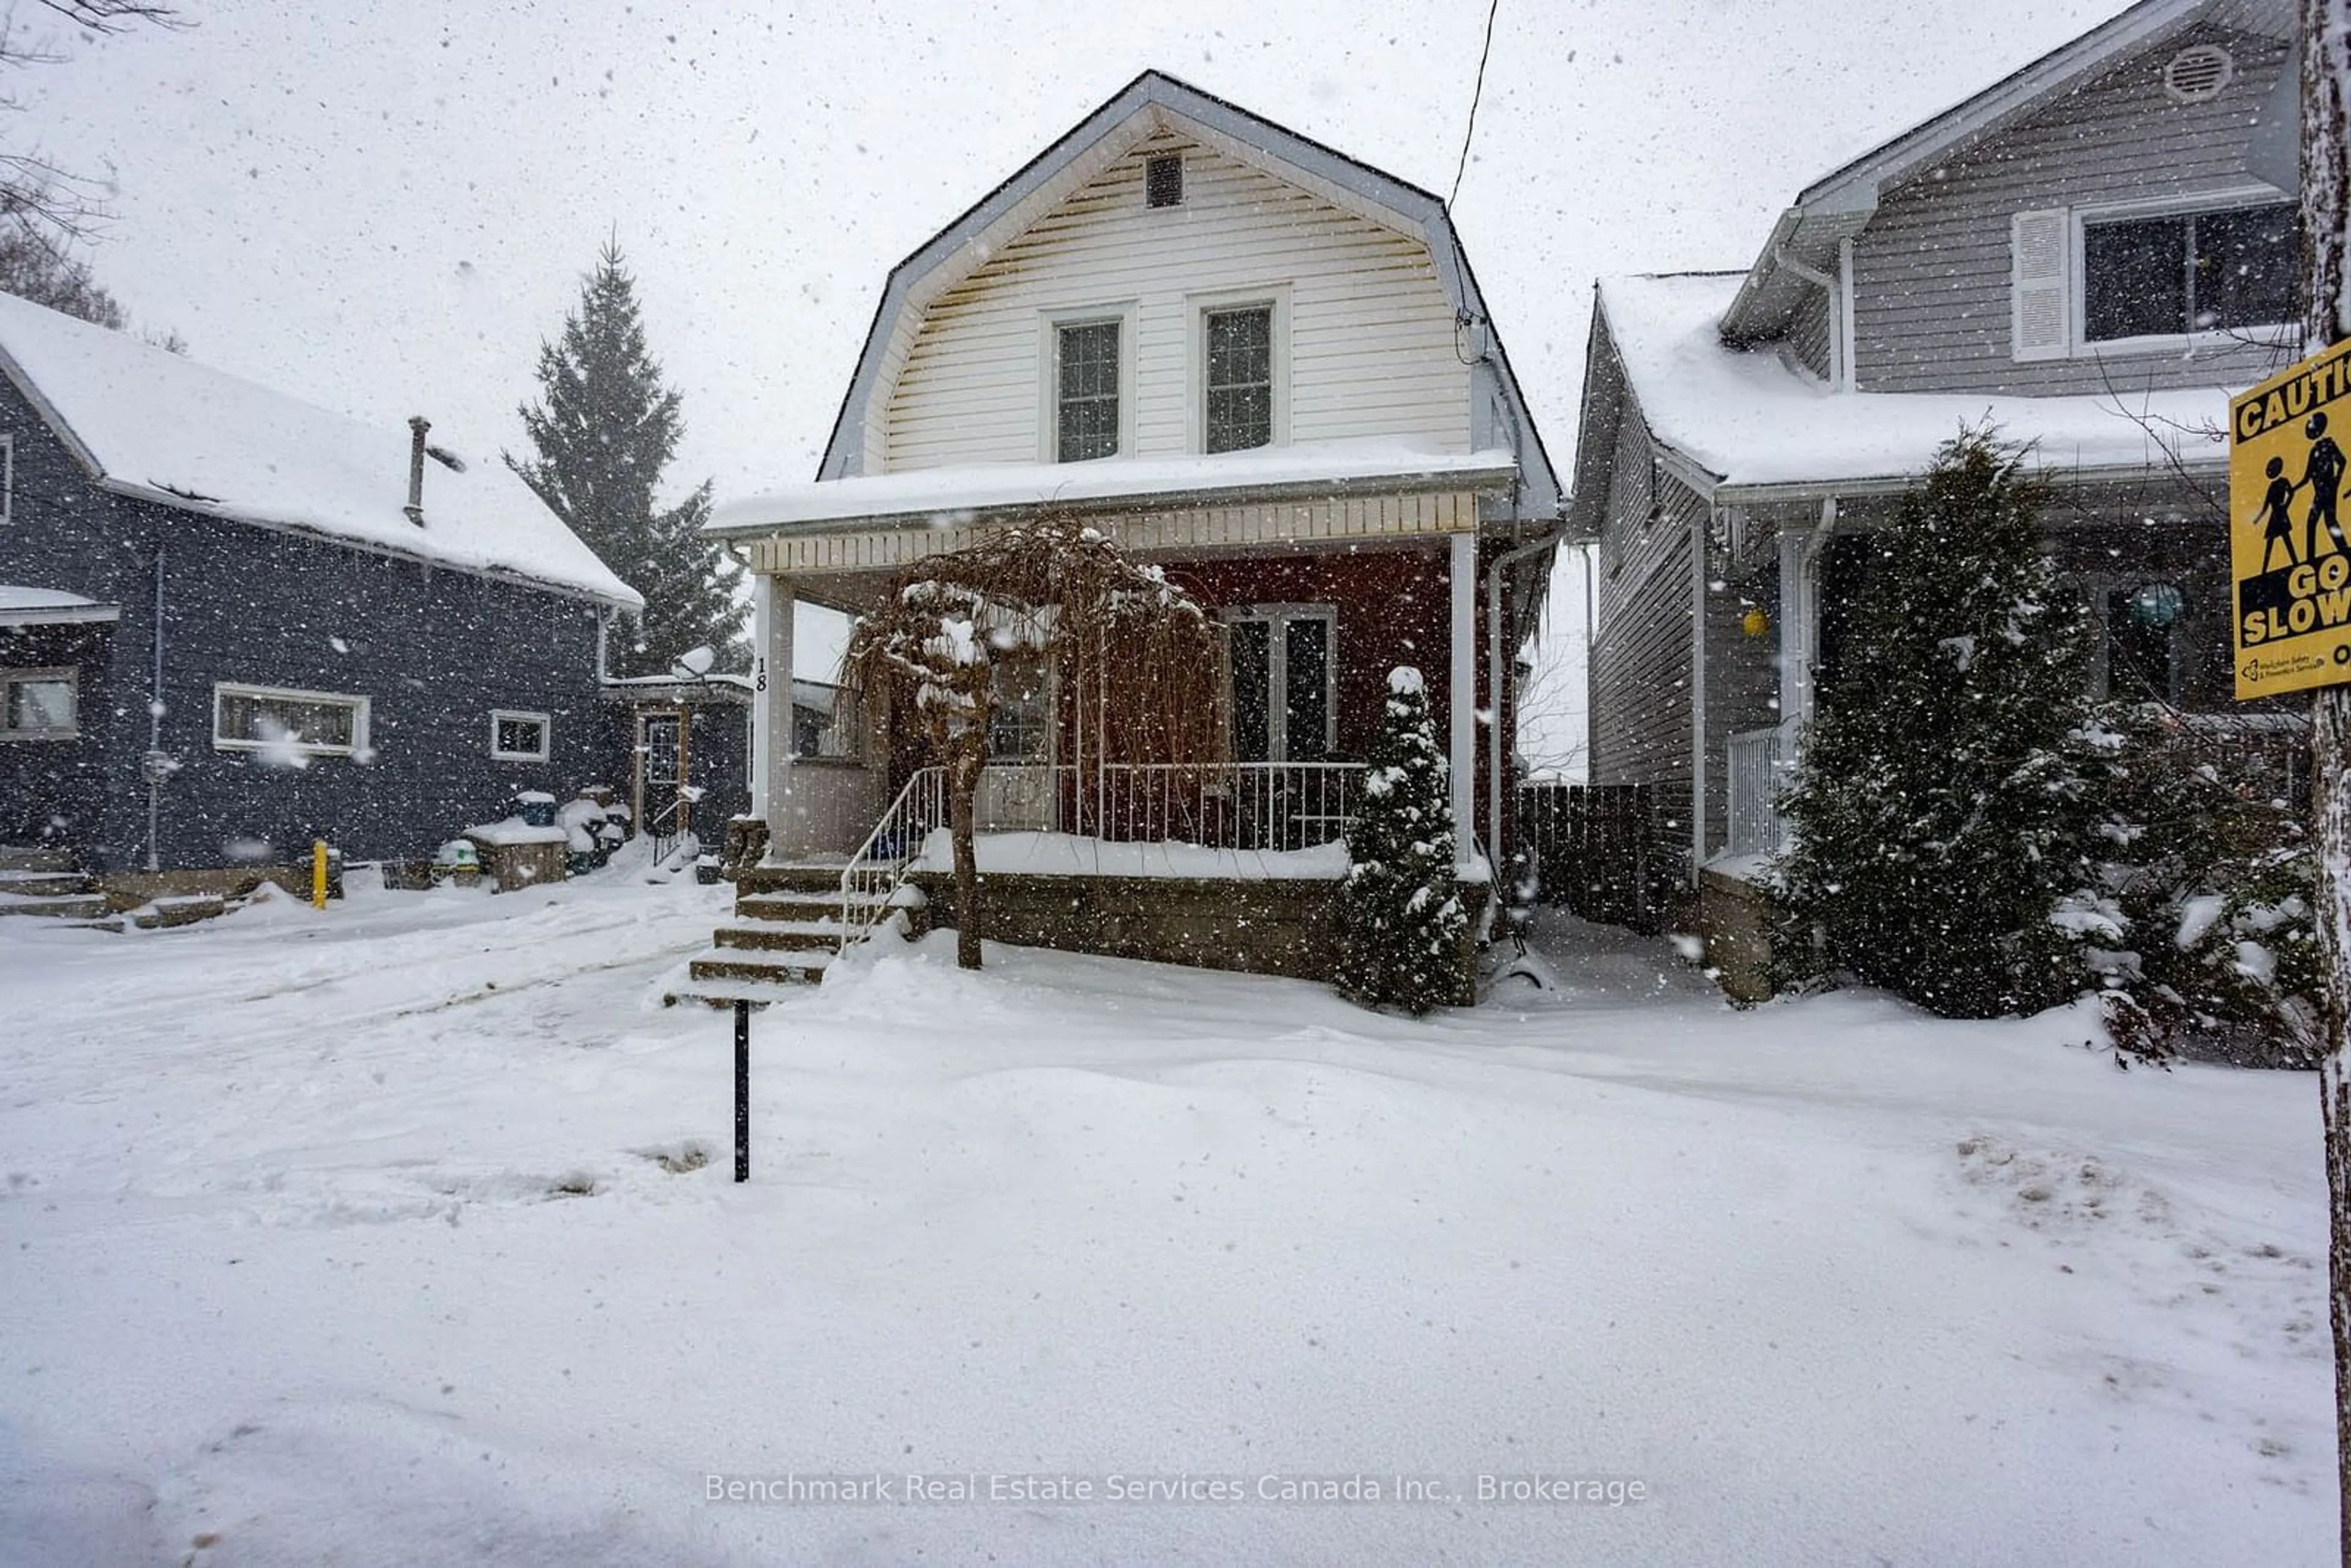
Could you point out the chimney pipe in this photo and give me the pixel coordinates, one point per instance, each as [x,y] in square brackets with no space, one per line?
[417,426]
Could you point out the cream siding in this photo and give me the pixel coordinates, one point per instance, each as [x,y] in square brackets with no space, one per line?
[1371,335]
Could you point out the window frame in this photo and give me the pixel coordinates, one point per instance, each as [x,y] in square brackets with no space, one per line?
[358,705]
[1273,299]
[1049,324]
[546,722]
[2080,220]
[69,673]
[1276,616]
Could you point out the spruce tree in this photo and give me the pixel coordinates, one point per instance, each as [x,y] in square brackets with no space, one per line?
[1945,804]
[605,429]
[1401,916]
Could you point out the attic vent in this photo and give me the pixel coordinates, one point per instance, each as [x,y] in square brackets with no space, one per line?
[1162,181]
[2197,73]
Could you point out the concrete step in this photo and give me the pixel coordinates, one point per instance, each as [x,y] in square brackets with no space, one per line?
[797,876]
[730,963]
[21,857]
[781,936]
[66,906]
[798,905]
[43,883]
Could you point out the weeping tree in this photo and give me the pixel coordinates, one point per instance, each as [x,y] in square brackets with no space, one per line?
[1130,645]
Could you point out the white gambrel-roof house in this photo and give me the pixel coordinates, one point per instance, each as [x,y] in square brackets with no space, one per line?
[1246,358]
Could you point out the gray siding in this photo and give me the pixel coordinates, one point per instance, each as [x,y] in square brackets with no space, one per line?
[433,650]
[1808,333]
[1640,671]
[1931,271]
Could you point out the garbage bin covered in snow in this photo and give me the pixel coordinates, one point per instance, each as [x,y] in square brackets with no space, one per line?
[535,807]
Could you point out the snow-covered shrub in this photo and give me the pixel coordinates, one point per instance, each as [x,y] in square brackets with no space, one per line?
[1401,916]
[1943,809]
[2209,866]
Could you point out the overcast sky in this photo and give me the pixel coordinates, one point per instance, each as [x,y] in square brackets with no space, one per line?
[385,207]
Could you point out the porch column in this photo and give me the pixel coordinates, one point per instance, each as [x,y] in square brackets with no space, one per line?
[1462,708]
[771,703]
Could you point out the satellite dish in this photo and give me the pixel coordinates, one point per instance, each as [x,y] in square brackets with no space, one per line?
[693,664]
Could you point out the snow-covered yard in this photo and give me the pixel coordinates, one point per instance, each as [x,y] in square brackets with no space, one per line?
[404,1233]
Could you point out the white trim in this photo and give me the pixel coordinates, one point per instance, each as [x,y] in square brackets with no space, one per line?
[1462,703]
[358,704]
[546,722]
[1049,323]
[1846,338]
[1277,671]
[1198,309]
[69,673]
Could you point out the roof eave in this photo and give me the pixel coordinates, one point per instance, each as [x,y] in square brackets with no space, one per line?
[1483,479]
[1736,493]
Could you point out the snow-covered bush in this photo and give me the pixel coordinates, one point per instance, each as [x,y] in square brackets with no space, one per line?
[1945,808]
[2209,871]
[1401,915]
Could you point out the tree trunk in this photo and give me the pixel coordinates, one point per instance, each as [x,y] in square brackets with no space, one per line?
[963,802]
[2325,209]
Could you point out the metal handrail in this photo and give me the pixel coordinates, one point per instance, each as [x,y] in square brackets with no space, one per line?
[666,841]
[880,865]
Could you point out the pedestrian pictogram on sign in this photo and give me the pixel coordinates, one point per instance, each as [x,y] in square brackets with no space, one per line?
[2288,554]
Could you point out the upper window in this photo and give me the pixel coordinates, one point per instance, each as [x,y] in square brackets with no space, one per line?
[1086,356]
[2180,273]
[38,705]
[517,737]
[1240,379]
[295,724]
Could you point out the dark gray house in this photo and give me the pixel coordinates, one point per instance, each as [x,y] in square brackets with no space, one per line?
[2092,253]
[231,622]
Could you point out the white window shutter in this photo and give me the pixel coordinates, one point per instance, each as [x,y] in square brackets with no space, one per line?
[2039,275]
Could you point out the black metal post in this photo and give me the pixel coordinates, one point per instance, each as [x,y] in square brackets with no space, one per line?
[742,1090]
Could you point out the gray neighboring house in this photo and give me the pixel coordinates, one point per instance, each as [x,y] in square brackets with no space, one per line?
[2092,253]
[232,622]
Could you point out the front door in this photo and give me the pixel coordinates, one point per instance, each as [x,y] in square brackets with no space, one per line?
[658,770]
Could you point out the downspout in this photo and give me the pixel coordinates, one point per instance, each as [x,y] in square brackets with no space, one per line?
[1495,689]
[155,764]
[1699,522]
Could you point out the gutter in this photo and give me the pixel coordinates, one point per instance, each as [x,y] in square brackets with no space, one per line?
[1733,494]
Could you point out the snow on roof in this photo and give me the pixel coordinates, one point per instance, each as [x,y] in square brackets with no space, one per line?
[1750,420]
[1127,481]
[160,425]
[38,606]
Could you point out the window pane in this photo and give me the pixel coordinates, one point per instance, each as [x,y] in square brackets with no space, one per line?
[522,736]
[2245,265]
[2140,663]
[1239,383]
[244,716]
[1020,727]
[1252,691]
[2135,278]
[1089,391]
[661,751]
[41,703]
[1306,689]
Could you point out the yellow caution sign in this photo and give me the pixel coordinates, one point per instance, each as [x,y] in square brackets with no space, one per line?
[2288,552]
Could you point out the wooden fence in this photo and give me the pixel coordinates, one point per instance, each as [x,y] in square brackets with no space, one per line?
[1593,850]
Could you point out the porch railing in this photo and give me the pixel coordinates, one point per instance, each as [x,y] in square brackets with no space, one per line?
[1249,806]
[1759,761]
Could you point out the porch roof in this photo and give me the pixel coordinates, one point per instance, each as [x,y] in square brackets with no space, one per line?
[1112,484]
[1762,430]
[49,607]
